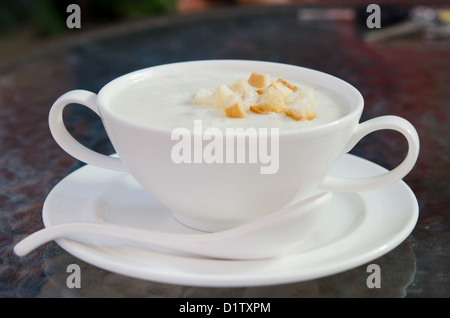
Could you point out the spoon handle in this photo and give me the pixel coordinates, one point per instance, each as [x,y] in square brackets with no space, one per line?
[274,231]
[169,240]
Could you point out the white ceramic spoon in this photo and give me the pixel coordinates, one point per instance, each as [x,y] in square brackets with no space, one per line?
[270,236]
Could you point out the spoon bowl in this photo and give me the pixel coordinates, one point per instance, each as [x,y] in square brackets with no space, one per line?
[270,236]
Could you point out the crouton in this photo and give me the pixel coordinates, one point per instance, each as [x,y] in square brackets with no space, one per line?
[203,97]
[259,80]
[259,95]
[287,84]
[274,99]
[260,110]
[223,97]
[235,111]
[302,106]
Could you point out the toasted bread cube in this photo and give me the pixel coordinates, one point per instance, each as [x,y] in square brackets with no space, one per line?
[259,109]
[259,95]
[259,80]
[302,105]
[225,98]
[241,87]
[236,110]
[283,90]
[287,84]
[274,99]
[204,97]
[268,108]
[246,92]
[300,114]
[222,96]
[250,98]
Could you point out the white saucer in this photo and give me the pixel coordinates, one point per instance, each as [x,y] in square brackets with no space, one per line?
[358,228]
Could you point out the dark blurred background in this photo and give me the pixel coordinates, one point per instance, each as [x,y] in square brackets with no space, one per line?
[26,24]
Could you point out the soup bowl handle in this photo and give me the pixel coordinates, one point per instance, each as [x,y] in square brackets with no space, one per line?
[67,142]
[375,182]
